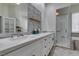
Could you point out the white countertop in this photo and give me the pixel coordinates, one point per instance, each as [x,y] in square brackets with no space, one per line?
[10,44]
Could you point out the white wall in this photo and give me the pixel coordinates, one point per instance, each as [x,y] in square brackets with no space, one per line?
[21,15]
[49,21]
[3,10]
[7,10]
[11,10]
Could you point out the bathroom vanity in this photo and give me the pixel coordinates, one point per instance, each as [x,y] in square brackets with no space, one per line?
[28,45]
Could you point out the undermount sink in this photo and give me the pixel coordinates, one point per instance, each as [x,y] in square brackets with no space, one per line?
[15,39]
[19,38]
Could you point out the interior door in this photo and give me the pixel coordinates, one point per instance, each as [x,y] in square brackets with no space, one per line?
[62,31]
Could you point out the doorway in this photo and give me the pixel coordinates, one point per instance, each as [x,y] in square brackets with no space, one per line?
[62,31]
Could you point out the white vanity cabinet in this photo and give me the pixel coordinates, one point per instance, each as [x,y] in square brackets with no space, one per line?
[33,49]
[40,47]
[48,43]
[24,51]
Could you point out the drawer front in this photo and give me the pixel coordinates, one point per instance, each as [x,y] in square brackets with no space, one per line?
[46,46]
[38,48]
[51,42]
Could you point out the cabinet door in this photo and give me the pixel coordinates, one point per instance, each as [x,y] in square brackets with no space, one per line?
[48,44]
[51,41]
[38,48]
[45,46]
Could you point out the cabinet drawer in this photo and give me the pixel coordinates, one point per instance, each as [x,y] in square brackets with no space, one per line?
[46,46]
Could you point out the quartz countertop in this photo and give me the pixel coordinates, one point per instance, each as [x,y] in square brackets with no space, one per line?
[9,44]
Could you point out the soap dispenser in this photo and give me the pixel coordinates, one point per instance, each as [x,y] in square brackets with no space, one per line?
[34,31]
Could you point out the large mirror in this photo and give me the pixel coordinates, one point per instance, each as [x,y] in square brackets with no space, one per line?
[19,18]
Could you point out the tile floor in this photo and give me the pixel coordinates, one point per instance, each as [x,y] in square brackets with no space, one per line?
[63,43]
[63,49]
[59,51]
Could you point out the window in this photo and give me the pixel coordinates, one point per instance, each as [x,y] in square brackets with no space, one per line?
[75,22]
